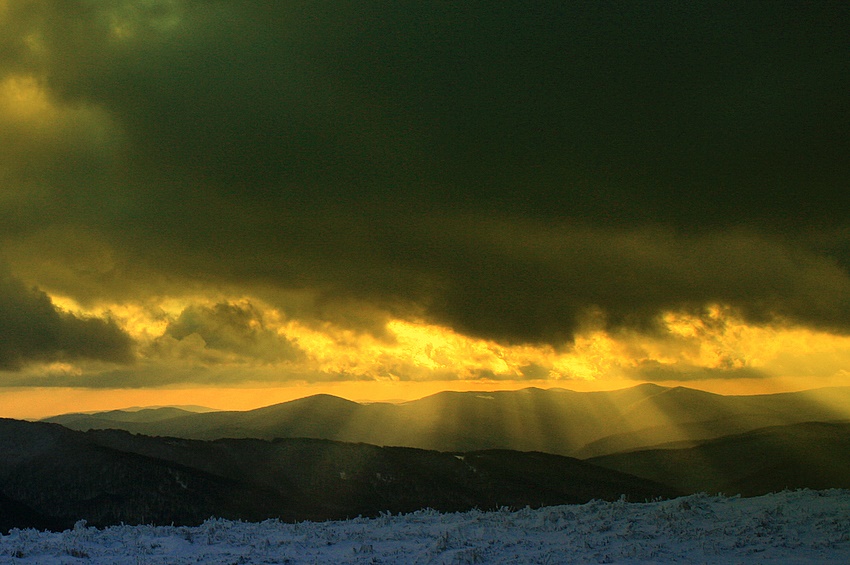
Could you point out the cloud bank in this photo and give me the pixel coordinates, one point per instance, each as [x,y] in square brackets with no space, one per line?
[32,329]
[519,174]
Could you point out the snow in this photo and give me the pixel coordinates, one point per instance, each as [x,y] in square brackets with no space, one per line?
[788,527]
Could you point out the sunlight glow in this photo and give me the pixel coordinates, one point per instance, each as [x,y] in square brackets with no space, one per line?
[696,349]
[23,99]
[30,114]
[722,340]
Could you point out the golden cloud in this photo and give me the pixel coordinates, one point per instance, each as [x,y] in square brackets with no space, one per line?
[244,339]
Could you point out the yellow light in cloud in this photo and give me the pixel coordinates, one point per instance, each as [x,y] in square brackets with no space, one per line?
[23,99]
[121,29]
[137,320]
[424,349]
[35,43]
[29,112]
[715,339]
[437,347]
[593,357]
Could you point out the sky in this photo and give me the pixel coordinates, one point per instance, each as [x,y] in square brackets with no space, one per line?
[232,203]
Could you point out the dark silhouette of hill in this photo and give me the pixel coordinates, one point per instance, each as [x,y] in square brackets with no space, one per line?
[553,421]
[51,476]
[813,455]
[684,435]
[60,476]
[14,514]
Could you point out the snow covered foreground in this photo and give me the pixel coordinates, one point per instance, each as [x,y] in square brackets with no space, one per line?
[788,527]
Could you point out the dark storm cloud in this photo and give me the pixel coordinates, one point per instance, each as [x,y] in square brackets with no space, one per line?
[521,284]
[509,170]
[33,330]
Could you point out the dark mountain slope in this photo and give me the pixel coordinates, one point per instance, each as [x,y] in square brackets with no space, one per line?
[14,514]
[51,477]
[62,476]
[685,434]
[812,455]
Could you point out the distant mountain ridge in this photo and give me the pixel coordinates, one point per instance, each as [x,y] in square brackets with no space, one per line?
[493,449]
[558,421]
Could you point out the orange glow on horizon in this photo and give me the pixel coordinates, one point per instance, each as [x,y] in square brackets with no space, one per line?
[42,402]
[35,403]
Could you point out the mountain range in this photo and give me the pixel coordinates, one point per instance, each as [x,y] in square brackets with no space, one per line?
[814,455]
[562,422]
[323,457]
[51,476]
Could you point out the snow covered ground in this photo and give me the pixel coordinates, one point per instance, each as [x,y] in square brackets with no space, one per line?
[787,527]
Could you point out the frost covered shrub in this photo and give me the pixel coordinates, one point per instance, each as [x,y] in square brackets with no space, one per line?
[800,526]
